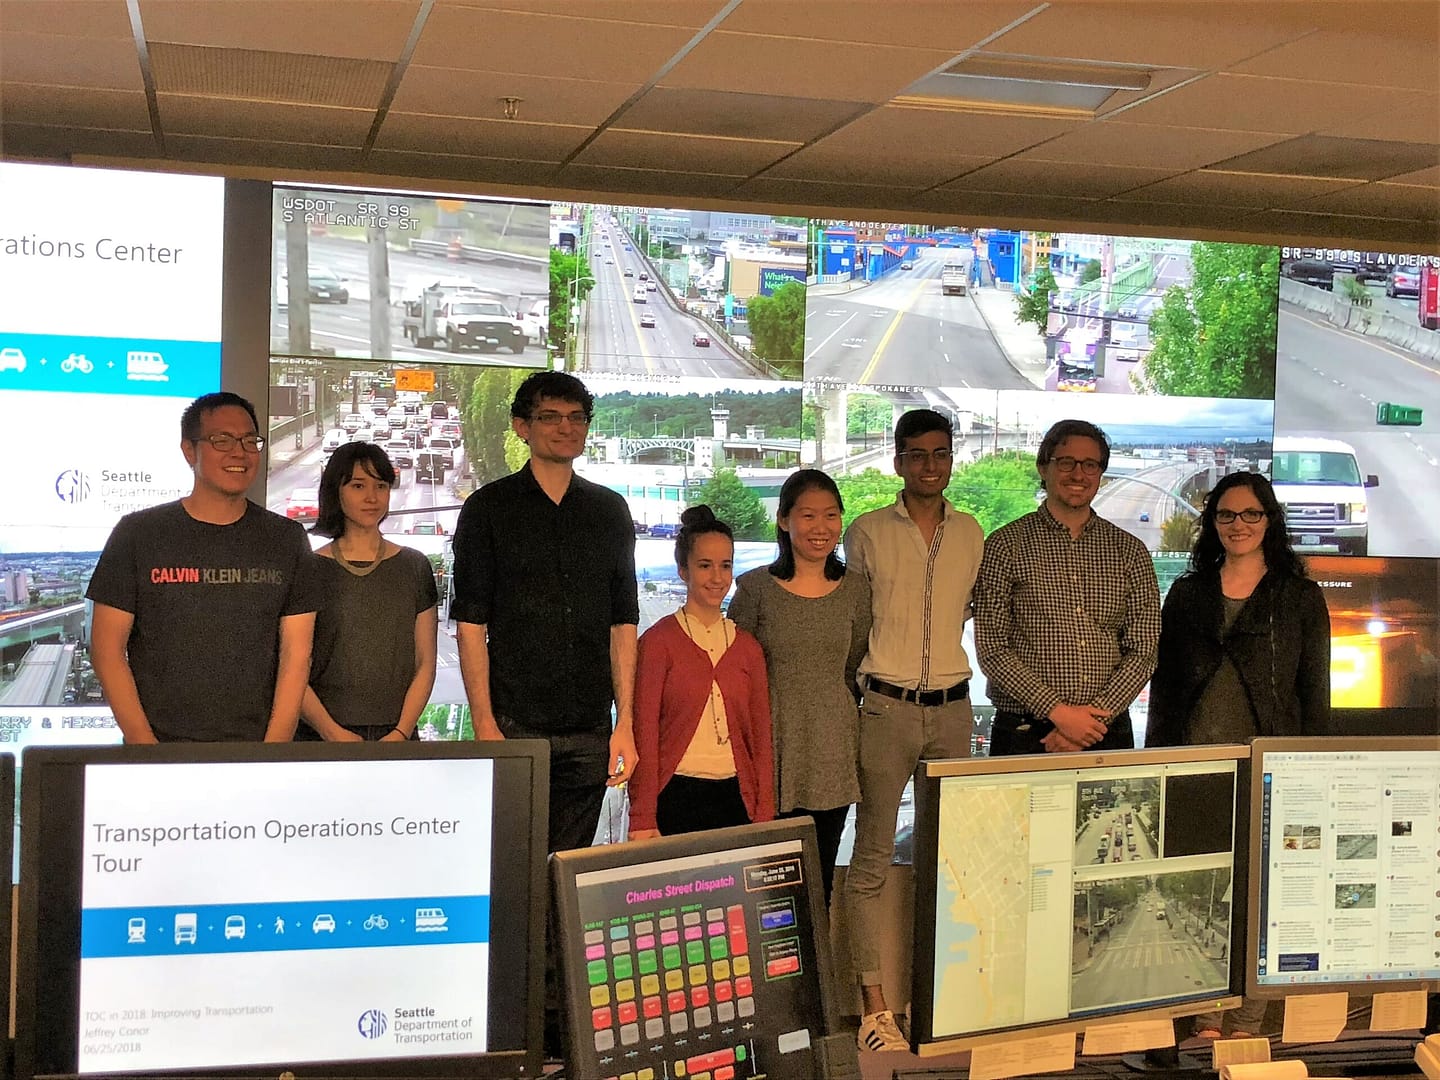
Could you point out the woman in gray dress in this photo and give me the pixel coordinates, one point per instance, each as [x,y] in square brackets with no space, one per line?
[812,618]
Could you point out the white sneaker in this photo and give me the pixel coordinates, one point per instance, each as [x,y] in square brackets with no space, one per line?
[880,1034]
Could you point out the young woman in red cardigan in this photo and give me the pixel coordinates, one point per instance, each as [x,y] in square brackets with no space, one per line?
[702,702]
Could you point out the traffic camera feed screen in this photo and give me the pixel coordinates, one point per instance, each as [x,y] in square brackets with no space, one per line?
[1347,866]
[1072,893]
[379,275]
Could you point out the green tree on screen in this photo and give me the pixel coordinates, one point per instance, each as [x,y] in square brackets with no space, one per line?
[1216,337]
[1034,306]
[1090,272]
[735,504]
[864,491]
[570,279]
[777,323]
[996,489]
[1178,533]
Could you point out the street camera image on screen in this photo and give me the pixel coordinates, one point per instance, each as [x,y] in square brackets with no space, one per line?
[1349,856]
[245,913]
[695,965]
[1066,893]
[1383,635]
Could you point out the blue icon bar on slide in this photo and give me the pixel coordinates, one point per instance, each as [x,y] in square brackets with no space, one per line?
[67,363]
[180,930]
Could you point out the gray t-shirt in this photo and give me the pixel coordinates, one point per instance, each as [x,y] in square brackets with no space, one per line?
[1224,713]
[364,655]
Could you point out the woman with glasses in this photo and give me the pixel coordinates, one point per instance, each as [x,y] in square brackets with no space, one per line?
[373,661]
[1245,635]
[812,617]
[702,702]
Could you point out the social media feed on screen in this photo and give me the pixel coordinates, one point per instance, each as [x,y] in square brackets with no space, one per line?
[1053,896]
[1348,852]
[687,957]
[281,912]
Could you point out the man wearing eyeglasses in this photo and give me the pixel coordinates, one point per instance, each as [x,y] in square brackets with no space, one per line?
[1067,611]
[546,608]
[920,556]
[205,607]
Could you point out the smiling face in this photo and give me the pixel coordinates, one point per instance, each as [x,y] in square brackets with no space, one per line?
[555,431]
[226,474]
[924,464]
[1072,475]
[1240,537]
[709,570]
[813,524]
[364,499]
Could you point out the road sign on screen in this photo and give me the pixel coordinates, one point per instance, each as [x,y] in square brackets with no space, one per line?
[410,379]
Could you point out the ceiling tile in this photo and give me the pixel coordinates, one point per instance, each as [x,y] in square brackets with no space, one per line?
[803,194]
[484,138]
[1356,56]
[978,206]
[1199,35]
[740,116]
[457,167]
[1113,142]
[266,152]
[1408,116]
[690,13]
[1051,178]
[1179,218]
[1250,103]
[914,170]
[904,132]
[1236,189]
[685,153]
[477,94]
[183,115]
[1320,155]
[940,24]
[58,105]
[646,181]
[473,39]
[1294,226]
[43,141]
[57,60]
[356,29]
[74,18]
[1430,177]
[1409,201]
[790,66]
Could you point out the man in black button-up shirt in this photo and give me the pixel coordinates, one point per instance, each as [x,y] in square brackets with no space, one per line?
[546,608]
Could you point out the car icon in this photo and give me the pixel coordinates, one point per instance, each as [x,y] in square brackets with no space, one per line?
[12,359]
[235,927]
[323,922]
[135,931]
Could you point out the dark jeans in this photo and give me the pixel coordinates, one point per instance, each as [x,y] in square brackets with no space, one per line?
[688,804]
[1021,733]
[829,824]
[579,766]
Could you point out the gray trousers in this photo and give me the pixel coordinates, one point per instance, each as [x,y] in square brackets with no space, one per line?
[894,737]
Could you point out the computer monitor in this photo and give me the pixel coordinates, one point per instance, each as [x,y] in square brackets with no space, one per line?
[1345,865]
[693,954]
[332,909]
[1058,891]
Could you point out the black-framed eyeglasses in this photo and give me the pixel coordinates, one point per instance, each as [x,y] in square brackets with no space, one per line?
[224,443]
[1250,517]
[552,419]
[942,456]
[1088,466]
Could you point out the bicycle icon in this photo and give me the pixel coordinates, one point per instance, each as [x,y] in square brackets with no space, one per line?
[77,362]
[377,922]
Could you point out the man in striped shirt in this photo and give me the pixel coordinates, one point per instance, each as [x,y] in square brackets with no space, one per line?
[1067,611]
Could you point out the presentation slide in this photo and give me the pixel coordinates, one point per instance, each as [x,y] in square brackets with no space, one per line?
[241,914]
[1348,879]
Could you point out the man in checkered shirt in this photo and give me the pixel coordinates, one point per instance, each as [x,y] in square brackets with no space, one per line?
[1067,611]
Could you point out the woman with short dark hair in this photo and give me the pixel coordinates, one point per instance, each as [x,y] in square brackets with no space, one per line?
[373,662]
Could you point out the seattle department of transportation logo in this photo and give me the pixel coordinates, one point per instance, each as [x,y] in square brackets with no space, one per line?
[372,1023]
[72,486]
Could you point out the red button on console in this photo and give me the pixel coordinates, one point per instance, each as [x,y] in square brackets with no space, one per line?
[784,965]
[700,996]
[723,991]
[675,1002]
[743,987]
[600,1018]
[652,1008]
[628,1012]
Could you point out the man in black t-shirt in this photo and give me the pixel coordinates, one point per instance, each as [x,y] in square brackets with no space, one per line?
[546,608]
[204,608]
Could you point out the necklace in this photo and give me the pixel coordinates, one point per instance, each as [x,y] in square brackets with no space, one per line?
[722,735]
[363,568]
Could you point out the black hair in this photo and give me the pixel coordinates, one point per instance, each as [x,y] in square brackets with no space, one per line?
[195,412]
[550,384]
[695,522]
[1066,429]
[1209,552]
[919,422]
[330,521]
[797,484]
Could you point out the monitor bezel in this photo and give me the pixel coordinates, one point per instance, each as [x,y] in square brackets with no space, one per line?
[927,819]
[567,866]
[46,767]
[1312,744]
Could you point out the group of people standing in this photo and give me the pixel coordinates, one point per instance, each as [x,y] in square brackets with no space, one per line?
[822,688]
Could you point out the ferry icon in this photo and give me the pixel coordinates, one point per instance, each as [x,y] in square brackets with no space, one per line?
[430,919]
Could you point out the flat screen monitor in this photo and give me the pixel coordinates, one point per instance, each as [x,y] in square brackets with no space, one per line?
[1063,890]
[702,953]
[328,909]
[1345,877]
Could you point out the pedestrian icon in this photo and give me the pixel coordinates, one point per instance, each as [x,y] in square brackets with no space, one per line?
[279,925]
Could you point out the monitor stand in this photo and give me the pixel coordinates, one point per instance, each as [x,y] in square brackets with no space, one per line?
[1169,1061]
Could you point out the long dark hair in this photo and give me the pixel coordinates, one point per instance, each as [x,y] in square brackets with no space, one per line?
[797,484]
[330,521]
[695,522]
[1209,552]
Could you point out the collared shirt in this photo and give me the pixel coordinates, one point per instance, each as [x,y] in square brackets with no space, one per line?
[709,757]
[548,581]
[1062,619]
[920,593]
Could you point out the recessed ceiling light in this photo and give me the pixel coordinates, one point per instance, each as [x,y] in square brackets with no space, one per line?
[1032,85]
